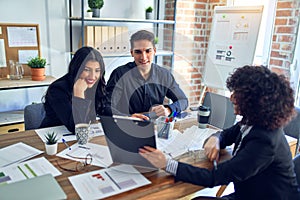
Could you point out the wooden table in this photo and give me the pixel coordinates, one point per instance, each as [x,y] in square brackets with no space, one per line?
[162,187]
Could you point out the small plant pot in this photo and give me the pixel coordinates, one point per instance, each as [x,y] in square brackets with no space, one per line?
[96,12]
[51,149]
[38,74]
[89,14]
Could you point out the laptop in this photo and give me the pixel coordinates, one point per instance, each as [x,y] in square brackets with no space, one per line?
[124,137]
[221,110]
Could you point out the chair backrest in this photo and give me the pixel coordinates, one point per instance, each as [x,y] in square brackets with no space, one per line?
[221,110]
[293,128]
[33,115]
[297,167]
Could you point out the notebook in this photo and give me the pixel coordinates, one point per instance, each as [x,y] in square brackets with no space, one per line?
[41,187]
[124,137]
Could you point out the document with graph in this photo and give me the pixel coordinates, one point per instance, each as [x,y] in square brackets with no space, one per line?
[107,182]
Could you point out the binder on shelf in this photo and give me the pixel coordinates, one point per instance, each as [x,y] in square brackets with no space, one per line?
[111,39]
[104,39]
[89,36]
[125,39]
[118,39]
[98,38]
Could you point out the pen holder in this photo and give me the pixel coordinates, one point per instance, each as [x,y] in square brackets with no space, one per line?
[164,127]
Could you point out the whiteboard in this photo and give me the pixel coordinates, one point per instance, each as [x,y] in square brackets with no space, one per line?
[232,42]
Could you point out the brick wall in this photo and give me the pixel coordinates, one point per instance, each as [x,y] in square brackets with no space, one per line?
[194,19]
[193,25]
[284,36]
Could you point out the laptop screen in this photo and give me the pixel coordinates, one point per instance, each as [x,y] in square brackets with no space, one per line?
[125,136]
[221,110]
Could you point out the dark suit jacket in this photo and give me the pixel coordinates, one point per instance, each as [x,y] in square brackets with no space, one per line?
[261,169]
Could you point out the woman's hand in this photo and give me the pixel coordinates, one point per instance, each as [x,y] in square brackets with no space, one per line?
[79,88]
[154,156]
[212,148]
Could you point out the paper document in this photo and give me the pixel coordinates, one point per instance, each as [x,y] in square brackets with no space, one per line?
[26,170]
[107,182]
[100,154]
[63,132]
[17,153]
[180,143]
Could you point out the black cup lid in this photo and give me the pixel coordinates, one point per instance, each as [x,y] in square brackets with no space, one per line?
[203,108]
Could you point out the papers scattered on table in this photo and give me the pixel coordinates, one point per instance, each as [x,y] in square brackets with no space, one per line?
[63,132]
[100,154]
[107,182]
[17,153]
[26,170]
[180,143]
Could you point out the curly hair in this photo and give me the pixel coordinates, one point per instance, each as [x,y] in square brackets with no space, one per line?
[262,97]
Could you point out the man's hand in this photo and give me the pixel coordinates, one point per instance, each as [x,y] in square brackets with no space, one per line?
[154,156]
[140,116]
[161,110]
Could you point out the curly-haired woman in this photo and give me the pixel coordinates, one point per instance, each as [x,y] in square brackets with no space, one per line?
[262,165]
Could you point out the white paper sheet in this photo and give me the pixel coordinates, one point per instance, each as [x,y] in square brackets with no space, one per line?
[28,169]
[25,55]
[17,153]
[2,54]
[107,182]
[63,132]
[180,143]
[22,36]
[100,154]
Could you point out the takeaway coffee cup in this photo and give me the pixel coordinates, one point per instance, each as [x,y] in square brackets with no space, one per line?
[203,116]
[82,133]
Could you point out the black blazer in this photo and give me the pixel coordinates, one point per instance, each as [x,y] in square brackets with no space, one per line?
[261,169]
[62,108]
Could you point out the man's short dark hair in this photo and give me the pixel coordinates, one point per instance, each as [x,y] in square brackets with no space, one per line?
[142,35]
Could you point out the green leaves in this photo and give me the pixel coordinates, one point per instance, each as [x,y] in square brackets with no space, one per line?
[51,138]
[95,3]
[37,62]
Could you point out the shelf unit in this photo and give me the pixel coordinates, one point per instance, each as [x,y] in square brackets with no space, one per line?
[103,21]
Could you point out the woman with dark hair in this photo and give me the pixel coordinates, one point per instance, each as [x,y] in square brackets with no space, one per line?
[262,165]
[79,95]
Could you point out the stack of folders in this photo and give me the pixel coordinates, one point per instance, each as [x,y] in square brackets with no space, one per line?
[107,39]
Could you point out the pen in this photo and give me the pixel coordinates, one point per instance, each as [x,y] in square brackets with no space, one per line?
[215,165]
[83,147]
[64,141]
[68,134]
[113,180]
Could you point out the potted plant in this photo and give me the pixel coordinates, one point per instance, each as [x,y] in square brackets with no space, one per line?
[149,13]
[89,13]
[156,42]
[37,66]
[96,5]
[51,143]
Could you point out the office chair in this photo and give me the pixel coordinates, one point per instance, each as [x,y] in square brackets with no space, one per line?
[293,128]
[221,110]
[33,115]
[297,167]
